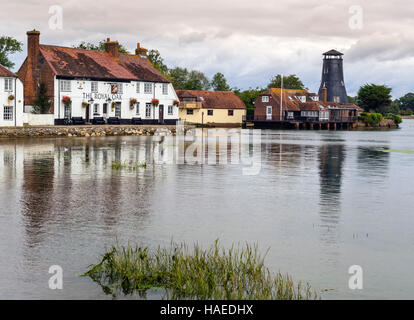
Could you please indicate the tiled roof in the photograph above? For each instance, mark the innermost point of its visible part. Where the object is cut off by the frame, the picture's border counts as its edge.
(6, 72)
(72, 62)
(214, 99)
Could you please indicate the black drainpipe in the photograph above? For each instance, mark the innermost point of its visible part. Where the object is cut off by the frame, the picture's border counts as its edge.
(15, 105)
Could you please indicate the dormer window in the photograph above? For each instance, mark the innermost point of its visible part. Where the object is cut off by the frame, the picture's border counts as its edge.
(302, 98)
(8, 84)
(265, 98)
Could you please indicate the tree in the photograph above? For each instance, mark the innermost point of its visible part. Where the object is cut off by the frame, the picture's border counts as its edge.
(99, 47)
(406, 102)
(289, 82)
(352, 100)
(197, 81)
(42, 102)
(178, 77)
(8, 46)
(248, 97)
(374, 98)
(157, 61)
(219, 83)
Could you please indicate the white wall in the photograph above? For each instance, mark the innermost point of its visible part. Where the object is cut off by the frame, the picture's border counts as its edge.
(17, 103)
(81, 91)
(38, 119)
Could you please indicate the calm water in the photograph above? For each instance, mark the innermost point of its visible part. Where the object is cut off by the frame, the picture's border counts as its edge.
(323, 201)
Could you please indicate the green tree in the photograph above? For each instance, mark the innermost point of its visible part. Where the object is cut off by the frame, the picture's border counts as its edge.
(157, 61)
(289, 82)
(42, 102)
(179, 77)
(99, 47)
(219, 83)
(352, 100)
(406, 102)
(197, 81)
(8, 46)
(374, 98)
(248, 97)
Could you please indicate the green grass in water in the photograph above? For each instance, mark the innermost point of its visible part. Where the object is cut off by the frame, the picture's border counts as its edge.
(117, 165)
(238, 273)
(397, 151)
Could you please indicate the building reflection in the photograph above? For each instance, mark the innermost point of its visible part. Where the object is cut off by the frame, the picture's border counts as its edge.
(373, 163)
(331, 158)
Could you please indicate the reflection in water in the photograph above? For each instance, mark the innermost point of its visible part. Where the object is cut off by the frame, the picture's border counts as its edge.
(373, 163)
(331, 158)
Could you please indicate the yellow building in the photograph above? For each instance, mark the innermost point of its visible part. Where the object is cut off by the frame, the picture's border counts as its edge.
(216, 108)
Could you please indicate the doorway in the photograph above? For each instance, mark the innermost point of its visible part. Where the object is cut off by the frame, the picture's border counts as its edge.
(161, 113)
(269, 113)
(87, 113)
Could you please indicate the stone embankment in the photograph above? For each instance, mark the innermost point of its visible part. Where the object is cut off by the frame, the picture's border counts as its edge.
(87, 131)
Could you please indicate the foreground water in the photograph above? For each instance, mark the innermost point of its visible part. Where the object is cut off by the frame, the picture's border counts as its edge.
(322, 201)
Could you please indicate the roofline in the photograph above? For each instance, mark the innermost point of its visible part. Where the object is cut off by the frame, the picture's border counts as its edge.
(105, 79)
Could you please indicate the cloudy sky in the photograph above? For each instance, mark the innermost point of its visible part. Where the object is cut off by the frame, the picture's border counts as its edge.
(248, 41)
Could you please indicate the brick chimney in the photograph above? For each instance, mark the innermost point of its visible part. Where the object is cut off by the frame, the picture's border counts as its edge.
(112, 47)
(140, 51)
(32, 68)
(324, 95)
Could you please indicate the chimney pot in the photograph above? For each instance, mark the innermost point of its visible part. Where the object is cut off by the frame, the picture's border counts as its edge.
(112, 47)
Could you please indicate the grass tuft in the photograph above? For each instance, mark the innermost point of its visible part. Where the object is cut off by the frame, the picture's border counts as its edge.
(238, 273)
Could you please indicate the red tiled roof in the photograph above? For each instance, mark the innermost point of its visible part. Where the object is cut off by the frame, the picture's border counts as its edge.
(73, 62)
(6, 72)
(214, 99)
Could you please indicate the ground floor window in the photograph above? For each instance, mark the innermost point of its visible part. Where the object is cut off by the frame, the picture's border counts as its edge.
(105, 108)
(137, 108)
(118, 110)
(67, 112)
(96, 108)
(230, 112)
(209, 112)
(290, 115)
(8, 113)
(190, 111)
(148, 110)
(170, 110)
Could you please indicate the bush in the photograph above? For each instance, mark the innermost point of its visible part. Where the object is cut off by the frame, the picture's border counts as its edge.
(397, 119)
(371, 118)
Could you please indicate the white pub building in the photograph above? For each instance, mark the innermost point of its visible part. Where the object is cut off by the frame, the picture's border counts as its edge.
(11, 99)
(86, 86)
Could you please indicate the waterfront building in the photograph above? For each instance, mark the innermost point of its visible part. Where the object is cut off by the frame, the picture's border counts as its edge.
(86, 86)
(11, 99)
(216, 108)
(276, 107)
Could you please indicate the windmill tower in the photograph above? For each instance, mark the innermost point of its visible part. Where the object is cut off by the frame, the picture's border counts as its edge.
(333, 77)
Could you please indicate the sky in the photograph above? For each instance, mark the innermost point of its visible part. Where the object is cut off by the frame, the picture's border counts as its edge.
(248, 41)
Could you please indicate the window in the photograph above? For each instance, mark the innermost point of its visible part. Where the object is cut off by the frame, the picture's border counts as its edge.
(94, 86)
(230, 112)
(309, 113)
(8, 113)
(8, 84)
(137, 108)
(337, 99)
(118, 110)
(148, 110)
(68, 112)
(302, 98)
(105, 108)
(190, 111)
(96, 108)
(290, 115)
(138, 86)
(165, 88)
(120, 88)
(147, 87)
(209, 112)
(189, 99)
(65, 85)
(170, 110)
(265, 98)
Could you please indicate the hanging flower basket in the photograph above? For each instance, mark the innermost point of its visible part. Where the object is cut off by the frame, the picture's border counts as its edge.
(11, 97)
(155, 102)
(176, 103)
(66, 101)
(113, 105)
(84, 104)
(132, 103)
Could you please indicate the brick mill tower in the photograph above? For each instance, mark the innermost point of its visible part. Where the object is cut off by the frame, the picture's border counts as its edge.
(333, 77)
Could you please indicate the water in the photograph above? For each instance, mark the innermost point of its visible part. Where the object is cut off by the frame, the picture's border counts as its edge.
(323, 201)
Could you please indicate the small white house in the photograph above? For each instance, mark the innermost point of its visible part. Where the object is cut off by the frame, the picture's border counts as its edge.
(11, 99)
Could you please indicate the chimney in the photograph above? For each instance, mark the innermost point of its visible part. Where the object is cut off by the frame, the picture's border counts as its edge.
(112, 47)
(324, 95)
(140, 51)
(32, 71)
